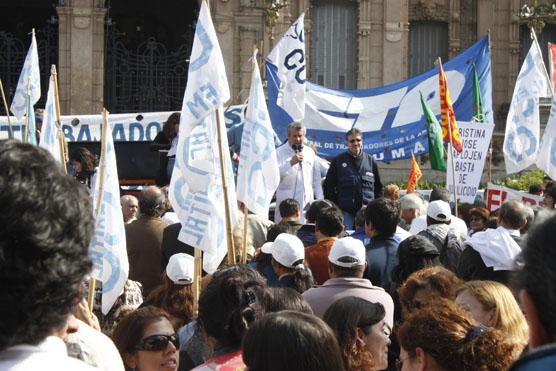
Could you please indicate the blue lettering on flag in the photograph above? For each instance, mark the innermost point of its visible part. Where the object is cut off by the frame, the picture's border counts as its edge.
(204, 38)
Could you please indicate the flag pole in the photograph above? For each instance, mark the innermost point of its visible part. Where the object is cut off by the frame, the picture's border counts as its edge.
(10, 129)
(450, 148)
(28, 103)
(101, 176)
(197, 267)
(61, 137)
(244, 242)
(228, 212)
(540, 53)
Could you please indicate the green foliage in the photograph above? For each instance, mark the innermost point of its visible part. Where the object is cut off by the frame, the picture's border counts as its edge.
(522, 180)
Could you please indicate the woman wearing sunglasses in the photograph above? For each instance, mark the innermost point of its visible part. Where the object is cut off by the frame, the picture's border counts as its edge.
(146, 341)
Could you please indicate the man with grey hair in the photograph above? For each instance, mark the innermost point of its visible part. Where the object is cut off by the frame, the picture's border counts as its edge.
(299, 170)
(412, 205)
(490, 255)
(144, 239)
(130, 206)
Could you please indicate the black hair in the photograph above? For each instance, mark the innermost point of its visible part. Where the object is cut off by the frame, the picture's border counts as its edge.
(330, 222)
(344, 317)
(47, 226)
(535, 189)
(289, 207)
(292, 341)
(513, 214)
(384, 215)
(360, 217)
(87, 160)
(286, 298)
(440, 194)
(235, 297)
(302, 278)
(152, 202)
(538, 275)
(353, 131)
(414, 253)
(315, 208)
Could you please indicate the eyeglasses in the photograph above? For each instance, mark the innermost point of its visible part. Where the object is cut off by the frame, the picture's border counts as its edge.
(157, 343)
(355, 140)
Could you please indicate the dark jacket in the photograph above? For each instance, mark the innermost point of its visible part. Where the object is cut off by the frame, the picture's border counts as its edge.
(352, 183)
(543, 358)
(171, 245)
(381, 259)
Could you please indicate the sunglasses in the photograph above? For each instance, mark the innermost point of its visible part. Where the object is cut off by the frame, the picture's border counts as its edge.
(355, 140)
(157, 343)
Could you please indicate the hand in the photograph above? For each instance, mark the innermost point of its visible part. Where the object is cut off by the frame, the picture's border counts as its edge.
(298, 157)
(83, 313)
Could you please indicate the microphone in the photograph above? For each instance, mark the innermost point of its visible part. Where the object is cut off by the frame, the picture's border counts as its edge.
(297, 148)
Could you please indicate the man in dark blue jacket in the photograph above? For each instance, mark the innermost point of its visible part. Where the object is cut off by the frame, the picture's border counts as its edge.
(352, 180)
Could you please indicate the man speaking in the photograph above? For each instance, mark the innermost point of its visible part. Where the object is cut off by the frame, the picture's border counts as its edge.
(352, 180)
(299, 171)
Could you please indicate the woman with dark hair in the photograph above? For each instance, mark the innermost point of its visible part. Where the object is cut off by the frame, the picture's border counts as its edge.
(146, 340)
(478, 220)
(175, 295)
(162, 143)
(442, 337)
(288, 262)
(85, 165)
(549, 197)
(414, 253)
(236, 297)
(363, 335)
(291, 341)
(286, 298)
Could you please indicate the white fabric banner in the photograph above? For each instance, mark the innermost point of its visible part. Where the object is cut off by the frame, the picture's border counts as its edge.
(196, 191)
(469, 164)
(50, 132)
(546, 160)
(29, 82)
(288, 56)
(521, 142)
(496, 195)
(258, 175)
(108, 249)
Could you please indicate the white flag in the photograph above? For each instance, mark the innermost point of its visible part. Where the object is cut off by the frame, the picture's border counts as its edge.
(29, 81)
(258, 175)
(288, 57)
(50, 132)
(196, 191)
(546, 160)
(108, 249)
(521, 142)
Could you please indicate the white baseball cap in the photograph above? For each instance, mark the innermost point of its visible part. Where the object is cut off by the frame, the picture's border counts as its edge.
(347, 247)
(180, 269)
(439, 210)
(286, 249)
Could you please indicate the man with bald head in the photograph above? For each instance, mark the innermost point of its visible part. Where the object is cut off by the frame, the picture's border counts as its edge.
(144, 239)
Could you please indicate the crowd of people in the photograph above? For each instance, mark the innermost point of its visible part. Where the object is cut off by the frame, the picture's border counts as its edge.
(360, 280)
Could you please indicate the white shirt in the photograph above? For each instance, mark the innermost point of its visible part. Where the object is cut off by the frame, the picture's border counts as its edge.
(457, 225)
(301, 181)
(50, 355)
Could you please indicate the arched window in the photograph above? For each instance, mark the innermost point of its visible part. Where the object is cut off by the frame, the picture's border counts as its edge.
(334, 43)
(428, 40)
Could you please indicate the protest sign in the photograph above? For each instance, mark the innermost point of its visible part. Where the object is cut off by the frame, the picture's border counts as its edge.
(497, 195)
(470, 162)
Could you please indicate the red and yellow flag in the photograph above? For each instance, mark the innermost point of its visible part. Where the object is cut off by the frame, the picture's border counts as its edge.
(447, 111)
(414, 175)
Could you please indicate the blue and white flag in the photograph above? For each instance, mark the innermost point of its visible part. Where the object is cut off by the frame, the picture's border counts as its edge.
(390, 117)
(521, 142)
(287, 60)
(29, 83)
(196, 191)
(546, 159)
(50, 133)
(258, 175)
(108, 249)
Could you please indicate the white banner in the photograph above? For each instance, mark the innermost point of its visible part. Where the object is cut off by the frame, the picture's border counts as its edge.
(126, 127)
(496, 195)
(546, 159)
(29, 83)
(469, 164)
(50, 139)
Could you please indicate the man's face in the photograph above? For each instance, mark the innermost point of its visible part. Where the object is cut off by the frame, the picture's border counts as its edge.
(354, 143)
(296, 136)
(130, 209)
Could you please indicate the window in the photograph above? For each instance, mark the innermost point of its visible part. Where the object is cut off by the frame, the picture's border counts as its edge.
(427, 41)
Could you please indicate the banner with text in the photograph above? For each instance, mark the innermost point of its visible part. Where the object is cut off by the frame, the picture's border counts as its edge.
(496, 195)
(390, 117)
(469, 164)
(126, 127)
